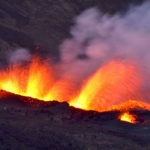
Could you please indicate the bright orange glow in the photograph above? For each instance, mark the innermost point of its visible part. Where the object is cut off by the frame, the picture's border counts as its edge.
(128, 117)
(35, 80)
(114, 86)
(129, 105)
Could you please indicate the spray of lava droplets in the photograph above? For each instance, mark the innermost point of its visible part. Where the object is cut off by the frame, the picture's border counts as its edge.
(112, 87)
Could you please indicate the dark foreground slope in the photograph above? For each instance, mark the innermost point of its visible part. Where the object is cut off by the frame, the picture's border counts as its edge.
(56, 126)
(26, 23)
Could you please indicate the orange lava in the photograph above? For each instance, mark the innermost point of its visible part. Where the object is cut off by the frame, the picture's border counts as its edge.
(114, 83)
(35, 80)
(127, 117)
(130, 105)
(114, 86)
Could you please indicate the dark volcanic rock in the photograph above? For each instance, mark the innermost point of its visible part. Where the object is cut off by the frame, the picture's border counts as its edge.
(30, 124)
(15, 37)
(53, 125)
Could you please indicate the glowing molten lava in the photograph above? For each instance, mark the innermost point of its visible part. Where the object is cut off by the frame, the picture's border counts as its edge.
(112, 87)
(128, 117)
(34, 80)
(112, 84)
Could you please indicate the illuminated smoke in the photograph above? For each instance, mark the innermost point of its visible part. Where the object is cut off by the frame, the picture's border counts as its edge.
(19, 55)
(99, 37)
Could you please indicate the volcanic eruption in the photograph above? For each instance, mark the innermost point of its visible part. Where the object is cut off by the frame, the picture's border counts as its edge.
(114, 86)
(114, 80)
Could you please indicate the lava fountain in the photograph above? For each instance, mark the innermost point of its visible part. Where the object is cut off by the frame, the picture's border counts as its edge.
(114, 86)
(34, 79)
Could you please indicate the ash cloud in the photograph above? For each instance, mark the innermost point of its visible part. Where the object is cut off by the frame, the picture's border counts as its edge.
(19, 55)
(101, 37)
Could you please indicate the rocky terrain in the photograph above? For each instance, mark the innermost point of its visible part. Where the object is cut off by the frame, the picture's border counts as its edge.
(29, 124)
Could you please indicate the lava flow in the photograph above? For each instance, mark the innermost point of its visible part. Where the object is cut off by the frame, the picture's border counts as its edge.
(115, 86)
(127, 117)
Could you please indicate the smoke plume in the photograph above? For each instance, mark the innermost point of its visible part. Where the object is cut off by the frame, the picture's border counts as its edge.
(98, 37)
(19, 55)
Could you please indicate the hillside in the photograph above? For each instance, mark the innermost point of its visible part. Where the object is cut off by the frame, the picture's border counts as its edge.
(46, 23)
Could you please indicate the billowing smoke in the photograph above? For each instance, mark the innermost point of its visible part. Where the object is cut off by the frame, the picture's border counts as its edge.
(19, 55)
(98, 37)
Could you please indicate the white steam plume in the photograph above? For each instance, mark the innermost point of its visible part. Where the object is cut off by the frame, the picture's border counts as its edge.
(102, 37)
